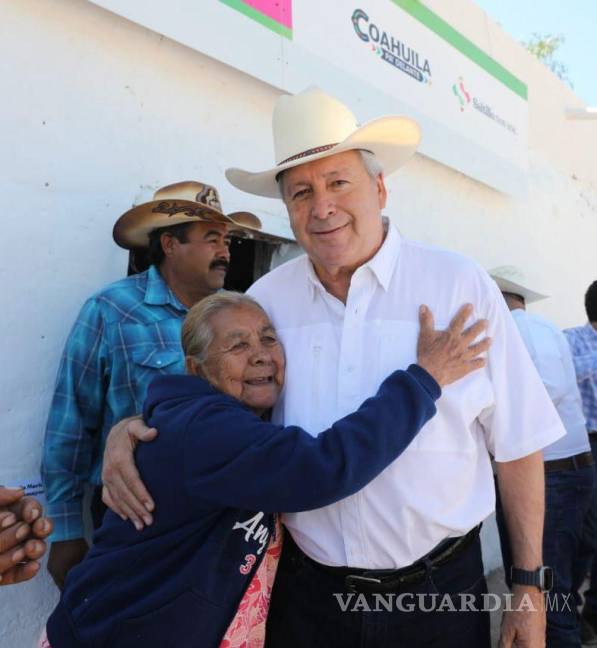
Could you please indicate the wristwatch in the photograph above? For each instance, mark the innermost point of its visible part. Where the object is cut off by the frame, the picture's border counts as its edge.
(541, 577)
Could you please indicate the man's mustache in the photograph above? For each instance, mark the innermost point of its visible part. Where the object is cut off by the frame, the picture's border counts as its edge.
(219, 263)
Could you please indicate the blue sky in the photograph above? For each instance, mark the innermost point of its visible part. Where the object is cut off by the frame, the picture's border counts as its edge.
(576, 20)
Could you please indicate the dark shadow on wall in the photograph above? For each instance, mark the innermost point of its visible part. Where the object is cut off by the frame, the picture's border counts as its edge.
(249, 260)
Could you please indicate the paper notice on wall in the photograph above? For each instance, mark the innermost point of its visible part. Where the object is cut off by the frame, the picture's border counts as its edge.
(32, 486)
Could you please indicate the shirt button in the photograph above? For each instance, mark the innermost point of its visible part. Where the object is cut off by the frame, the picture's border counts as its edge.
(159, 362)
(350, 369)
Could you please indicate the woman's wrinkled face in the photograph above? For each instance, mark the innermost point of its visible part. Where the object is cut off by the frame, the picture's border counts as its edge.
(245, 359)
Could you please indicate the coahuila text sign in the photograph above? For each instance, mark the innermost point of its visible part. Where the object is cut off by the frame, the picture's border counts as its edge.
(473, 112)
(380, 56)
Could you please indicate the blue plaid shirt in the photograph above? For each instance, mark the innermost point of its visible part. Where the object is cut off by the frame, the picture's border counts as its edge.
(583, 342)
(124, 337)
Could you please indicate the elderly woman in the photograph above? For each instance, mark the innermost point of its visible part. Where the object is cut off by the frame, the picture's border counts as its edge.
(201, 575)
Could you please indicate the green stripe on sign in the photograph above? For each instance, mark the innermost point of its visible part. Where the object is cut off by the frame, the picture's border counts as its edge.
(266, 21)
(440, 27)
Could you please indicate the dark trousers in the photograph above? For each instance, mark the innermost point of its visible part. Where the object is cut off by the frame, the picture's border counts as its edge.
(588, 546)
(567, 498)
(307, 608)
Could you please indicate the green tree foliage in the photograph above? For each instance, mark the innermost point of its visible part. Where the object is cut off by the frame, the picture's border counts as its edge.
(544, 46)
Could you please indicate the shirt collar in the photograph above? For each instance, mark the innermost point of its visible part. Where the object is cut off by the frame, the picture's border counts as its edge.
(313, 280)
(381, 265)
(158, 293)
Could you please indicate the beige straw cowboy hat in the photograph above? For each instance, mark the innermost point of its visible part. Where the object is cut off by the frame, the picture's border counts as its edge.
(511, 279)
(182, 202)
(311, 125)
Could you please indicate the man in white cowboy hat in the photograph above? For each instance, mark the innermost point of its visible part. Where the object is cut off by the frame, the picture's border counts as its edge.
(125, 335)
(348, 314)
(568, 462)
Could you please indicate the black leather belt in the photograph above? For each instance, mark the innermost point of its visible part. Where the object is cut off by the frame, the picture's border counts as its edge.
(388, 580)
(576, 462)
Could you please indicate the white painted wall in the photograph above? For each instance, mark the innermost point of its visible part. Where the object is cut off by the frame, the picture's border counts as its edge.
(97, 112)
(552, 231)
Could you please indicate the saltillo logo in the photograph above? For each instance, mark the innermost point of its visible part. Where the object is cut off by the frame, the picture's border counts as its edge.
(465, 99)
(390, 49)
(461, 93)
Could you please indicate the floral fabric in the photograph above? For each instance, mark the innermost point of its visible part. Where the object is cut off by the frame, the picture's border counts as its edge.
(247, 629)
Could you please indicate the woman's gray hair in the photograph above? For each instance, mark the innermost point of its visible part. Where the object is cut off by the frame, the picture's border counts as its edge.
(372, 165)
(197, 332)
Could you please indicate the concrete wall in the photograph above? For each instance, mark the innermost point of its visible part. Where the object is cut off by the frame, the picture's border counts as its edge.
(98, 112)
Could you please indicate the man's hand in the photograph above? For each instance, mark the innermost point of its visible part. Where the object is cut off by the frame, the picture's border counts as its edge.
(64, 556)
(524, 625)
(22, 532)
(123, 490)
(451, 354)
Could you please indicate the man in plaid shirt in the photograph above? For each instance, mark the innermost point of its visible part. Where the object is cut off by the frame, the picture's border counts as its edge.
(125, 335)
(583, 343)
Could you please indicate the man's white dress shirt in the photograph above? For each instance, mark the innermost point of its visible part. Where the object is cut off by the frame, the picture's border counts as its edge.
(337, 355)
(551, 355)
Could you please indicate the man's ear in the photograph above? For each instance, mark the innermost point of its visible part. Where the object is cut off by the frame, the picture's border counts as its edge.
(382, 192)
(192, 366)
(168, 242)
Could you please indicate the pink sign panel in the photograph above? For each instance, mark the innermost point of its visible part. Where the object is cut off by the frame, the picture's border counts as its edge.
(278, 10)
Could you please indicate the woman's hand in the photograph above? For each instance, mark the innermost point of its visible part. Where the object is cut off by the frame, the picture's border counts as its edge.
(451, 354)
(123, 491)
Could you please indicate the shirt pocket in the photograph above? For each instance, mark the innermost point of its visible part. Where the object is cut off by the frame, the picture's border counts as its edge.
(159, 359)
(456, 427)
(453, 428)
(145, 351)
(396, 346)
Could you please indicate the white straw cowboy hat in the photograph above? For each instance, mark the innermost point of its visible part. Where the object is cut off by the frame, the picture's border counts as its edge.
(183, 202)
(511, 279)
(311, 125)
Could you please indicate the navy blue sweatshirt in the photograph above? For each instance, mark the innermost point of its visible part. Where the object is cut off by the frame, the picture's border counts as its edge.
(218, 473)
